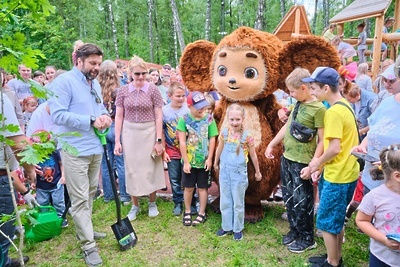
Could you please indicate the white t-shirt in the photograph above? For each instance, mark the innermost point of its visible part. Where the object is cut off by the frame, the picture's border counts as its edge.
(10, 118)
(384, 205)
(41, 120)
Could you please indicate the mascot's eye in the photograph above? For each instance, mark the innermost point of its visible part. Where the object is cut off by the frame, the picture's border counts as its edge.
(222, 70)
(251, 73)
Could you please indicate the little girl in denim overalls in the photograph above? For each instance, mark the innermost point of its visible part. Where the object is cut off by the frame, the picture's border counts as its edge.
(233, 148)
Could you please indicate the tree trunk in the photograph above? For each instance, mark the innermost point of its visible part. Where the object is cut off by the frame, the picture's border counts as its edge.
(106, 30)
(175, 45)
(113, 28)
(151, 7)
(283, 8)
(240, 13)
(259, 23)
(222, 31)
(126, 31)
(208, 20)
(156, 29)
(230, 16)
(177, 24)
(326, 12)
(314, 26)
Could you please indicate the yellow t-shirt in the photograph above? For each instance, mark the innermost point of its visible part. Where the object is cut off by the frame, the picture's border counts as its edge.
(328, 35)
(340, 124)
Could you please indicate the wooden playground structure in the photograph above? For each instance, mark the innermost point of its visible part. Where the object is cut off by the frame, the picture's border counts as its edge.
(295, 23)
(363, 9)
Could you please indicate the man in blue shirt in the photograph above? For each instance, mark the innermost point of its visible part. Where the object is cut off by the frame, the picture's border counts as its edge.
(77, 107)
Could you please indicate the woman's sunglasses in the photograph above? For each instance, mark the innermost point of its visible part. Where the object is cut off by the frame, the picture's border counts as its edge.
(139, 73)
(389, 81)
(96, 96)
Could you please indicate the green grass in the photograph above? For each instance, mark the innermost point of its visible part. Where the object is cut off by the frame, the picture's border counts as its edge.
(164, 241)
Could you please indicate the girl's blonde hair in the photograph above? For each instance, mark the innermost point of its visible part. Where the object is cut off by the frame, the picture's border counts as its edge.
(390, 162)
(77, 44)
(108, 79)
(237, 107)
(136, 62)
(362, 68)
(210, 99)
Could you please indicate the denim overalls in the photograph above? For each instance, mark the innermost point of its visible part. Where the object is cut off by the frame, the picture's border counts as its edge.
(233, 183)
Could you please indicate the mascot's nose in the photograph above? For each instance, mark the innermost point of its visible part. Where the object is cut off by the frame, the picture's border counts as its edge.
(232, 80)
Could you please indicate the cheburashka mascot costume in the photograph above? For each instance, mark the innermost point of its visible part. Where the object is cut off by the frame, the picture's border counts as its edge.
(246, 67)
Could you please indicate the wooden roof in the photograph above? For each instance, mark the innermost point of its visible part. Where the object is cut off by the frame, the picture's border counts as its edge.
(361, 9)
(295, 21)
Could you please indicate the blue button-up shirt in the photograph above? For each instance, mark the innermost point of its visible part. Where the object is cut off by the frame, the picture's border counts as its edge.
(71, 109)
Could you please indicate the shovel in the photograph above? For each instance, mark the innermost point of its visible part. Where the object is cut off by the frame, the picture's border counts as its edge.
(122, 229)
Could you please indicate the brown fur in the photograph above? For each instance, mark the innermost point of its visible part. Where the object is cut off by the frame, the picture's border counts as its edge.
(243, 49)
(194, 65)
(307, 52)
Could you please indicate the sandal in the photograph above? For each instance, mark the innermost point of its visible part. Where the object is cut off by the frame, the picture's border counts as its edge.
(199, 219)
(187, 219)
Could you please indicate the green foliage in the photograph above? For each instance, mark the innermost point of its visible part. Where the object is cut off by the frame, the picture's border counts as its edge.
(14, 48)
(43, 144)
(39, 91)
(37, 152)
(25, 214)
(15, 51)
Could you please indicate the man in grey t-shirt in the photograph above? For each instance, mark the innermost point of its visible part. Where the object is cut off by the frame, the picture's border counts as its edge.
(22, 87)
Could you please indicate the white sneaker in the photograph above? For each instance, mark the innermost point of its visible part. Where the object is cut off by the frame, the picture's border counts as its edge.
(153, 211)
(133, 213)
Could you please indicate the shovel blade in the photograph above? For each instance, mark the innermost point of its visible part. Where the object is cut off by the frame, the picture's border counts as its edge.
(124, 233)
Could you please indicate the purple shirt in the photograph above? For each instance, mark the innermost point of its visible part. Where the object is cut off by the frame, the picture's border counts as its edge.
(139, 105)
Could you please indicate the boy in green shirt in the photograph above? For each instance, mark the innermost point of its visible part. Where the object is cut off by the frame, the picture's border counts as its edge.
(197, 132)
(297, 187)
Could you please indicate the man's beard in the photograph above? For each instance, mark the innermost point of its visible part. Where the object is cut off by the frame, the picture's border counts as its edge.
(90, 75)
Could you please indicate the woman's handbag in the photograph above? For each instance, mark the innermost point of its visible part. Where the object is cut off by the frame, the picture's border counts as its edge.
(300, 132)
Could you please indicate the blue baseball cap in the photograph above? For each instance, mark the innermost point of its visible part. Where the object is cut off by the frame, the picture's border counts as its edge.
(324, 75)
(197, 100)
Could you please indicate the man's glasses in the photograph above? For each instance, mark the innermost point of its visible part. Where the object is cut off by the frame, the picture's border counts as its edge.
(96, 96)
(166, 68)
(389, 81)
(139, 73)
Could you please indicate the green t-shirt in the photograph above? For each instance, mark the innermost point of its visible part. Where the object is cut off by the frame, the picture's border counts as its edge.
(310, 115)
(199, 133)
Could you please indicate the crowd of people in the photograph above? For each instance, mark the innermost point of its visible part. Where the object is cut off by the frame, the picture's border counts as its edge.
(347, 51)
(156, 124)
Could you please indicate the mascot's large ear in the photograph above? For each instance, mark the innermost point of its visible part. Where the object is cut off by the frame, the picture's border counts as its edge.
(195, 65)
(307, 52)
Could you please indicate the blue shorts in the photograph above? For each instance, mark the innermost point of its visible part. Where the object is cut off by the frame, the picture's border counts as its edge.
(333, 201)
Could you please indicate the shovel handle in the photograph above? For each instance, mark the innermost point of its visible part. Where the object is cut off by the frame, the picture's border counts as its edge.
(101, 135)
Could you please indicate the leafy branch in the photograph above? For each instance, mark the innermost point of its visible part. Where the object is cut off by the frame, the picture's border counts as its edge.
(42, 144)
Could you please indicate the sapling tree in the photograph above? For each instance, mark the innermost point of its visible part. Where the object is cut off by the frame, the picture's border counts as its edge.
(14, 50)
(34, 151)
